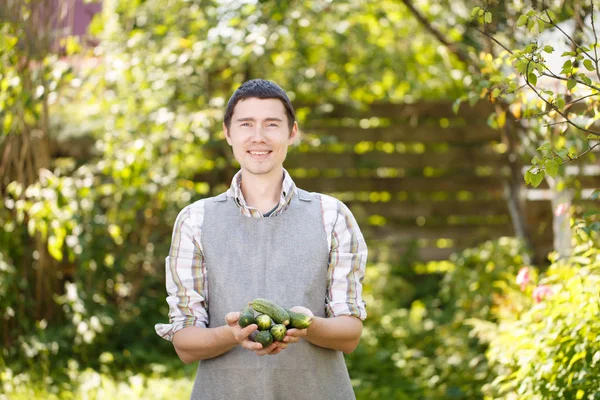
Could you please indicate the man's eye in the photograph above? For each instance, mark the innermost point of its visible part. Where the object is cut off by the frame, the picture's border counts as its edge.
(245, 124)
(273, 124)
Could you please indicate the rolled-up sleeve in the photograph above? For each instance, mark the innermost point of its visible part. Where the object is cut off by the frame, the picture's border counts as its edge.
(347, 263)
(185, 273)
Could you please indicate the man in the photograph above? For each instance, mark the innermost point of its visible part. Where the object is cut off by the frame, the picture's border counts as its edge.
(267, 238)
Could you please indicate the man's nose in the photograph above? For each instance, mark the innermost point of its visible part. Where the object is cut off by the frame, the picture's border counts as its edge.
(258, 134)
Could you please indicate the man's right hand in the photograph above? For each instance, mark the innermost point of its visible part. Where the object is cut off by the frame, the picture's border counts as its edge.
(242, 336)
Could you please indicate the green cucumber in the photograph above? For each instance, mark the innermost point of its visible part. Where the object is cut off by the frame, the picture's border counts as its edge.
(273, 310)
(265, 338)
(264, 322)
(299, 320)
(246, 317)
(278, 332)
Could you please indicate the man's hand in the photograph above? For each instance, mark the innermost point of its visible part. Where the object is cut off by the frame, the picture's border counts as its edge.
(242, 336)
(293, 335)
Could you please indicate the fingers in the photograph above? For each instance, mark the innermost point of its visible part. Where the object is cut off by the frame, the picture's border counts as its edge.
(268, 350)
(294, 335)
(250, 345)
(232, 318)
(242, 334)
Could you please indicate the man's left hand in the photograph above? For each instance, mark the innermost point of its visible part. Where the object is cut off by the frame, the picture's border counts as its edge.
(293, 335)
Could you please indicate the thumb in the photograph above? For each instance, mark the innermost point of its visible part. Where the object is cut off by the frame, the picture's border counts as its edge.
(232, 317)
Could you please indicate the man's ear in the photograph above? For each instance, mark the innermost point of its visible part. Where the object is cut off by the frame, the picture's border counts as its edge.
(227, 136)
(293, 134)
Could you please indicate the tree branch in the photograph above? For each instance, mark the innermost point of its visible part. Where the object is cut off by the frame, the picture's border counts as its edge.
(438, 35)
(494, 39)
(564, 33)
(553, 75)
(595, 42)
(578, 155)
(558, 111)
(567, 106)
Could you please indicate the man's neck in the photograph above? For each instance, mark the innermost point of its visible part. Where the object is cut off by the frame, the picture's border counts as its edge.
(262, 191)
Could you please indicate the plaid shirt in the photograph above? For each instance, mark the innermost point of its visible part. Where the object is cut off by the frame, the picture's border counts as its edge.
(186, 279)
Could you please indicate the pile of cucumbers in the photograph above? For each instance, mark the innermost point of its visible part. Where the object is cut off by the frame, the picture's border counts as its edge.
(273, 321)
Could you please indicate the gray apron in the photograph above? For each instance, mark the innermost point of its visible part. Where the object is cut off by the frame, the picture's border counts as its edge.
(283, 258)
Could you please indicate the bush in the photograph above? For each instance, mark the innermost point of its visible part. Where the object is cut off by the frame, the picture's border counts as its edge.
(552, 350)
(422, 347)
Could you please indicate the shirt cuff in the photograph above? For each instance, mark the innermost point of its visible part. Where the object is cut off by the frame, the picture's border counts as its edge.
(167, 331)
(352, 309)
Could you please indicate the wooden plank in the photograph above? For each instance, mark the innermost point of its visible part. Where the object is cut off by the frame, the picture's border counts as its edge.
(457, 158)
(429, 209)
(461, 234)
(422, 110)
(450, 183)
(405, 133)
(535, 210)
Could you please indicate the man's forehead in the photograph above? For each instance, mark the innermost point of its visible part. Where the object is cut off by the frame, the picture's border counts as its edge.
(255, 107)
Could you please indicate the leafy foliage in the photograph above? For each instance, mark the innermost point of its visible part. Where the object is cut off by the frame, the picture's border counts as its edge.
(552, 350)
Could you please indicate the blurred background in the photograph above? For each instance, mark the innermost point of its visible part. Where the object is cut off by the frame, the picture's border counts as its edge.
(462, 134)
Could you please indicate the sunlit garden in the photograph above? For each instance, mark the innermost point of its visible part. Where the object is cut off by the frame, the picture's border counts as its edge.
(464, 135)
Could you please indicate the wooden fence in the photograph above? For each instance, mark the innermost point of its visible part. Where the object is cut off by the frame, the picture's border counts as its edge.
(418, 176)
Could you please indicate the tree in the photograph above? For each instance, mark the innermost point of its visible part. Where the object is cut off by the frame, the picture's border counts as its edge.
(542, 113)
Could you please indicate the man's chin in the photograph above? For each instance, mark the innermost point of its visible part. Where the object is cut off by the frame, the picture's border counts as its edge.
(259, 171)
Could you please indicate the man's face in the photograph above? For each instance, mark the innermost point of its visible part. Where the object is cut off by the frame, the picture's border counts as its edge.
(259, 135)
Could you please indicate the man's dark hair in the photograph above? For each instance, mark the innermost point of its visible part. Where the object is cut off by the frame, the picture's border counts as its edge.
(261, 89)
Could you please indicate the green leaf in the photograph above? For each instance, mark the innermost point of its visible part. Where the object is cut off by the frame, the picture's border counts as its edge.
(541, 25)
(474, 11)
(522, 20)
(521, 66)
(579, 395)
(571, 84)
(562, 153)
(552, 168)
(488, 17)
(532, 78)
(560, 102)
(456, 105)
(548, 48)
(588, 65)
(568, 53)
(551, 14)
(534, 179)
(546, 146)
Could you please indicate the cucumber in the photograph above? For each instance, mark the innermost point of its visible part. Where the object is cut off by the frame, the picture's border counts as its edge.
(273, 310)
(278, 332)
(299, 320)
(264, 322)
(246, 317)
(265, 338)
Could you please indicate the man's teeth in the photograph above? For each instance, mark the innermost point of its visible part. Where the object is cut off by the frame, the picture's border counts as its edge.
(259, 152)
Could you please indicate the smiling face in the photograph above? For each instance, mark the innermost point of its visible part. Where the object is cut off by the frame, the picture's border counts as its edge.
(259, 135)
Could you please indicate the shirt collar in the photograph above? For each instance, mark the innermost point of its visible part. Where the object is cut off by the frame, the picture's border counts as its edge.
(288, 188)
